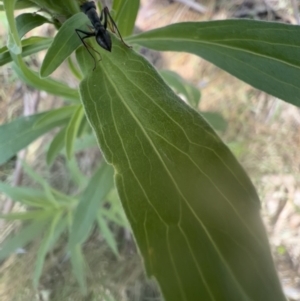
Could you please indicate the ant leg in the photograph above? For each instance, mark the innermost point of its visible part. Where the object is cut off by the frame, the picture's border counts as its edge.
(106, 14)
(87, 46)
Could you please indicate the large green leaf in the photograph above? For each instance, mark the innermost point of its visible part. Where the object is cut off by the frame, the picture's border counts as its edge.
(193, 210)
(266, 55)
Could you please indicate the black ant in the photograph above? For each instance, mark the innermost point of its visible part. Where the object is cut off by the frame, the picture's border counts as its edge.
(100, 30)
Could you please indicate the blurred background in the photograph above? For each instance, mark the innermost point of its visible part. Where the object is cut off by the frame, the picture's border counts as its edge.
(261, 130)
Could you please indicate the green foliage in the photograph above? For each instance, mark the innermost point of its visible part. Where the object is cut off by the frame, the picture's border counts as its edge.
(53, 213)
(19, 133)
(263, 54)
(29, 46)
(14, 41)
(86, 212)
(63, 45)
(27, 22)
(126, 13)
(180, 204)
(191, 93)
(193, 211)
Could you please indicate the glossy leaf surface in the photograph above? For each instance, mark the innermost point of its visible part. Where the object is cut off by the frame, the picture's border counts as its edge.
(264, 54)
(192, 208)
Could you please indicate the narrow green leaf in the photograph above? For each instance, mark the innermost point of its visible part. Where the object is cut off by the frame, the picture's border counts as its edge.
(84, 128)
(65, 8)
(44, 249)
(263, 54)
(115, 212)
(72, 130)
(85, 142)
(76, 72)
(29, 21)
(28, 215)
(76, 175)
(111, 216)
(55, 115)
(14, 42)
(86, 212)
(19, 133)
(49, 85)
(56, 145)
(215, 120)
(116, 5)
(107, 234)
(78, 265)
(191, 206)
(126, 13)
(64, 43)
(40, 180)
(22, 4)
(26, 196)
(29, 46)
(26, 235)
(64, 198)
(181, 86)
(58, 231)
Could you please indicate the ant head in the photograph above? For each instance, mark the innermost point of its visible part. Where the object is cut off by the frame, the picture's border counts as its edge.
(103, 39)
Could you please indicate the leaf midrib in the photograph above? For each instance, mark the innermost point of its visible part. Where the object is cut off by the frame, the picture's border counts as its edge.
(209, 43)
(172, 179)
